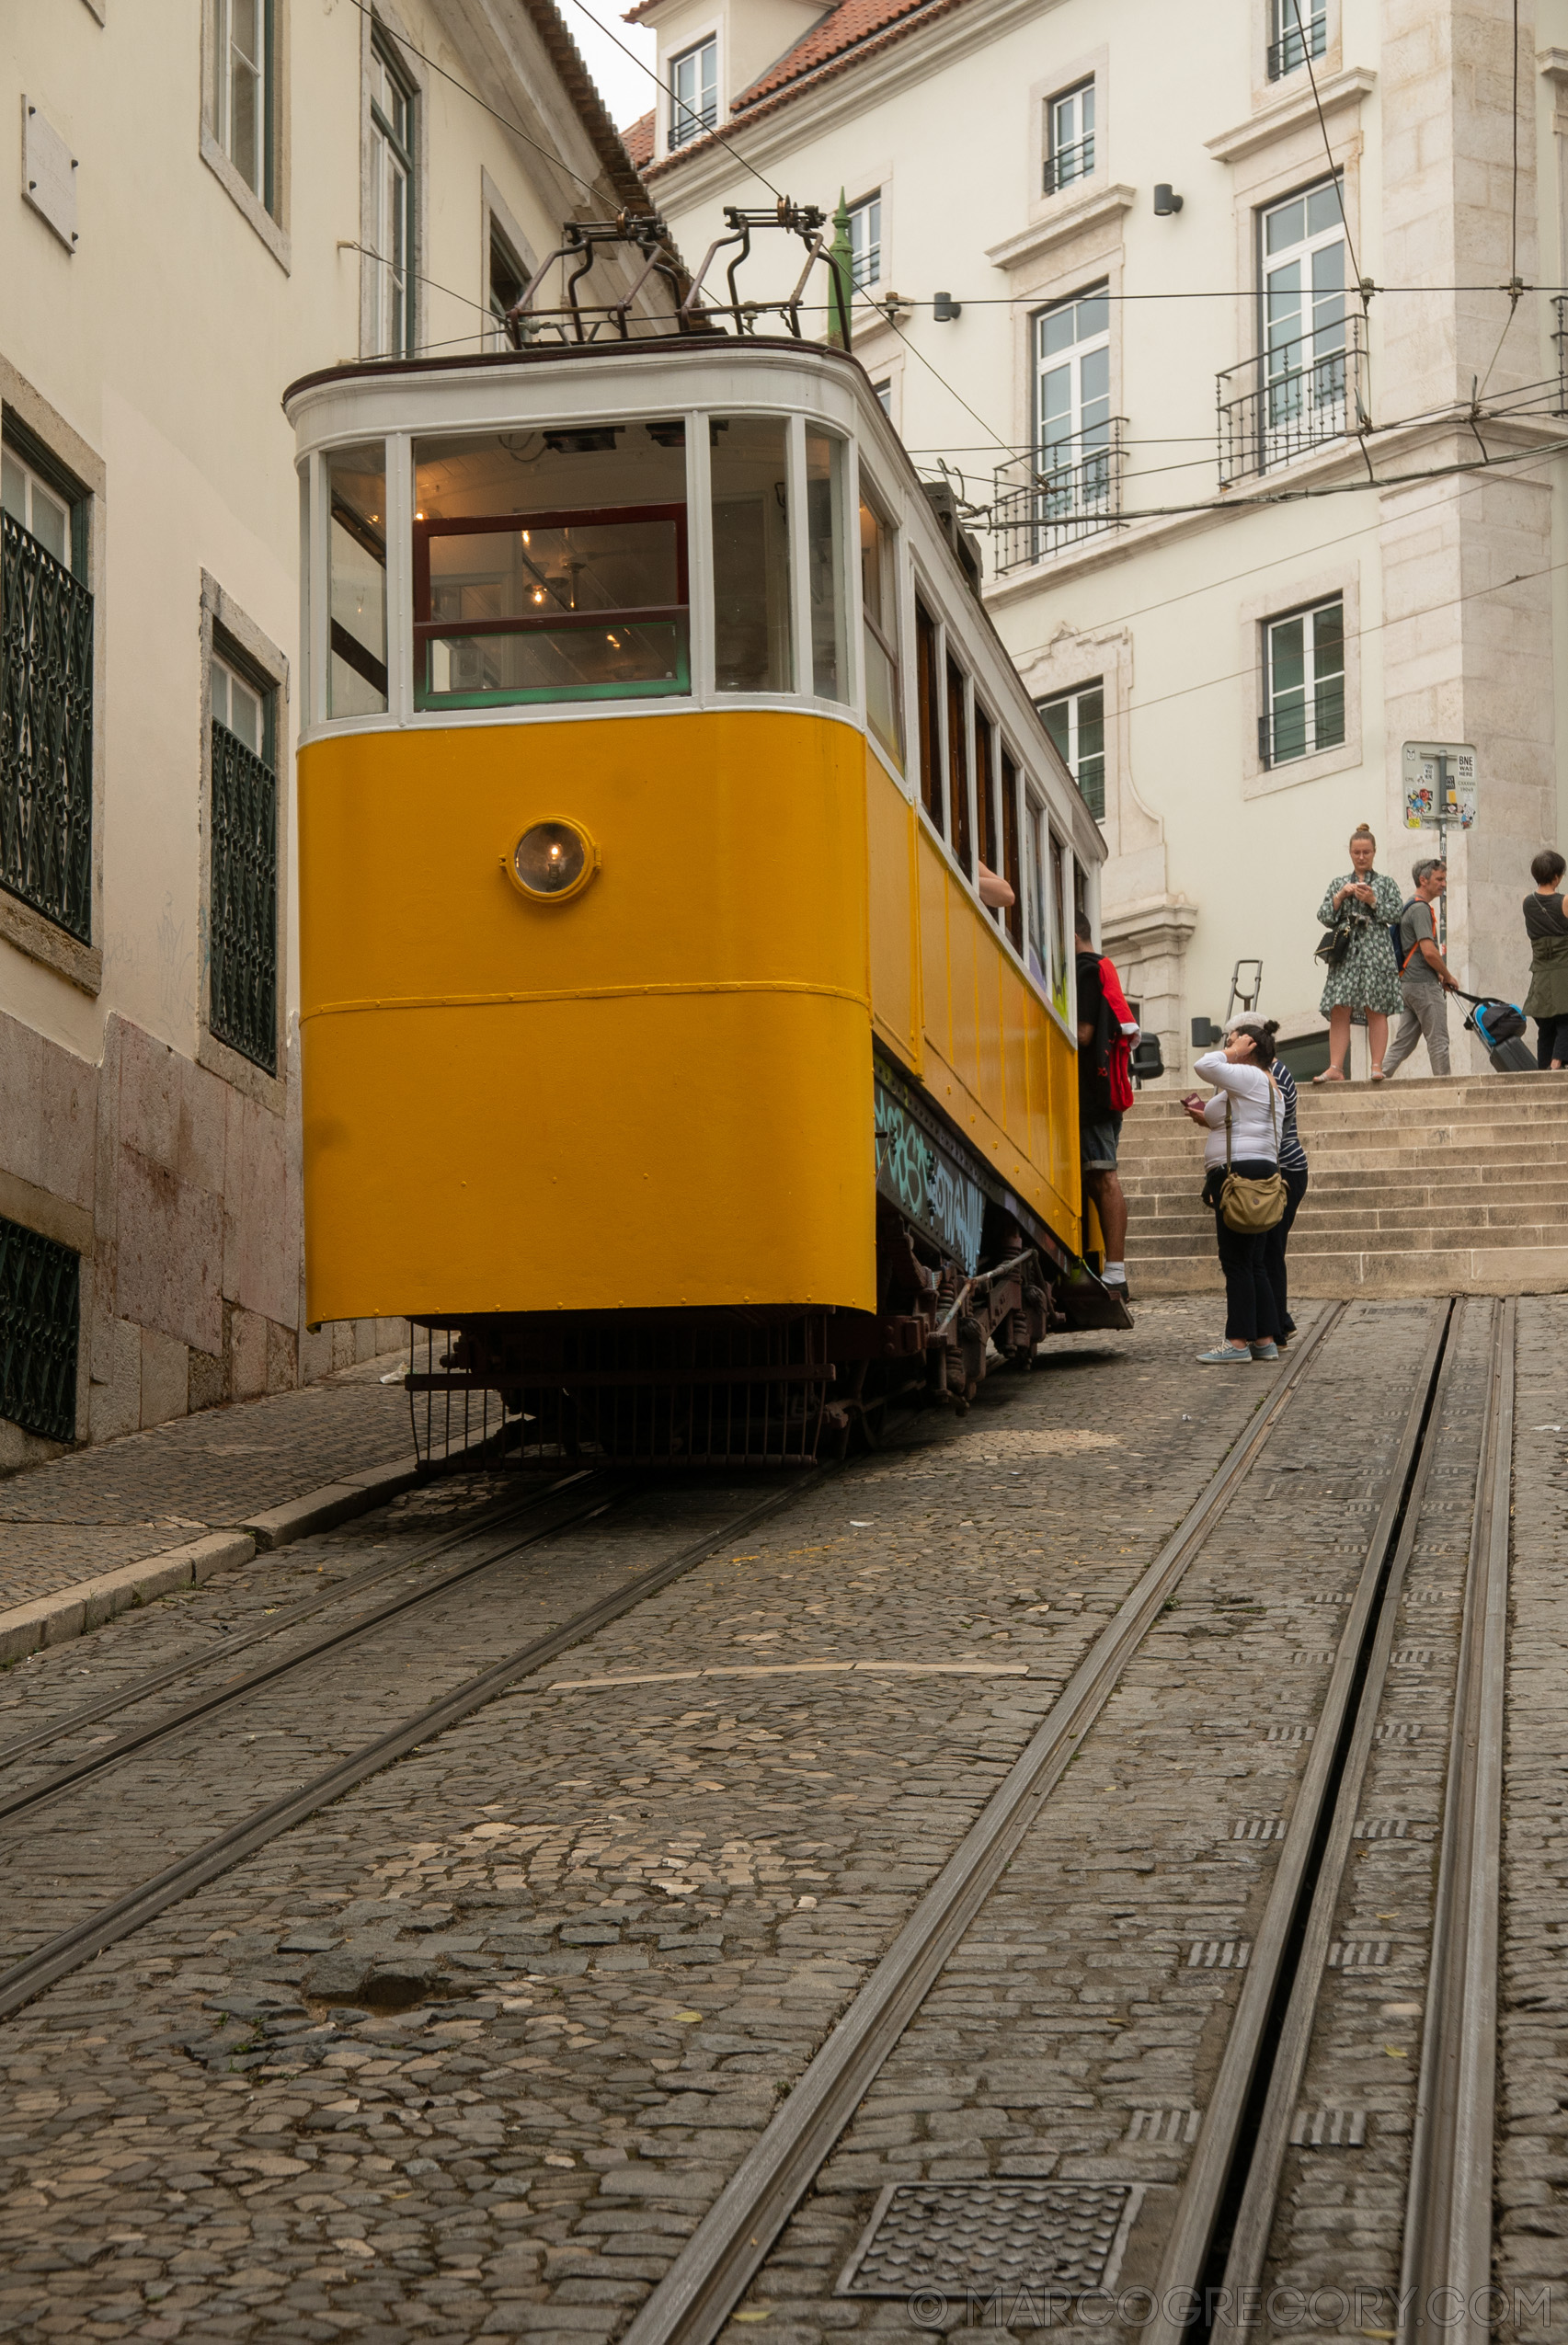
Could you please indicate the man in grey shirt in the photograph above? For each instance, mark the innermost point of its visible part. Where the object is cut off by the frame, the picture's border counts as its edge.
(1426, 979)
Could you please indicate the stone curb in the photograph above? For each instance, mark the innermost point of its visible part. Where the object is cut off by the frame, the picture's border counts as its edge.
(334, 1503)
(87, 1604)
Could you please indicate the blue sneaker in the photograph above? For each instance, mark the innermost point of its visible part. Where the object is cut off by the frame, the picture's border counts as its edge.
(1267, 1350)
(1227, 1356)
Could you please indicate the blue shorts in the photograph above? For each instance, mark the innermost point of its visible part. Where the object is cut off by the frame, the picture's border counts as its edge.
(1098, 1144)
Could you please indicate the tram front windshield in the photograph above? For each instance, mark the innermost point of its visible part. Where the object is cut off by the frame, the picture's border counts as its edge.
(550, 565)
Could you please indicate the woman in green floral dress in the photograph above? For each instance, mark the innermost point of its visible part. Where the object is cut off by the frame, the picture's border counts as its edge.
(1368, 978)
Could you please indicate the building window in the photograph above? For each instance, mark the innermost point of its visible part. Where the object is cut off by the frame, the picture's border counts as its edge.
(240, 94)
(883, 393)
(1076, 722)
(1304, 683)
(45, 694)
(1069, 137)
(865, 241)
(693, 92)
(391, 223)
(509, 282)
(40, 1316)
(243, 1000)
(1303, 303)
(1072, 374)
(1298, 29)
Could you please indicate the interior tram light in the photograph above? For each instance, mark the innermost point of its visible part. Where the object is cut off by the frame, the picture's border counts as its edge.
(554, 860)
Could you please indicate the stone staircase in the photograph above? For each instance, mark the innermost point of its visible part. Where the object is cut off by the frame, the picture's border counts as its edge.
(1447, 1184)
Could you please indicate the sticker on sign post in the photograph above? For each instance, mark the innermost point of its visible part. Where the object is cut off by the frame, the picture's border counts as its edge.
(1439, 785)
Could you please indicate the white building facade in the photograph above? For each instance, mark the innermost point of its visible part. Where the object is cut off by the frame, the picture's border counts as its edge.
(214, 198)
(1212, 312)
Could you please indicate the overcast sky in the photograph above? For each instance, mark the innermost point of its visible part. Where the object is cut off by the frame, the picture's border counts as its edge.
(626, 88)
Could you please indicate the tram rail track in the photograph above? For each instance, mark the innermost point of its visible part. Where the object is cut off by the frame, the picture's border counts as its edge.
(1217, 2245)
(67, 1950)
(234, 1689)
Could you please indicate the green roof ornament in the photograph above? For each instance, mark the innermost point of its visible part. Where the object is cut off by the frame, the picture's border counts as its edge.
(840, 277)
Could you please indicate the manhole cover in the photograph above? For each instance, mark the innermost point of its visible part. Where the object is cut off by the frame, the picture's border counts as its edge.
(953, 2236)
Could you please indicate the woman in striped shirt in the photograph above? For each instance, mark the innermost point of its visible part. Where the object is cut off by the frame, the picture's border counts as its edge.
(1293, 1170)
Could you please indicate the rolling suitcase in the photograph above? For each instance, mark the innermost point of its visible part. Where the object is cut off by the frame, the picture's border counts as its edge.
(1501, 1027)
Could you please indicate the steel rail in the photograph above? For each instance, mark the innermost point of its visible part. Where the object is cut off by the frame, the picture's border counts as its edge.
(1198, 2208)
(341, 1591)
(158, 1729)
(70, 1949)
(697, 2295)
(1334, 1832)
(1447, 2228)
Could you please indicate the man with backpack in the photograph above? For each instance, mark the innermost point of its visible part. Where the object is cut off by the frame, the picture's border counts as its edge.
(1425, 979)
(1106, 1031)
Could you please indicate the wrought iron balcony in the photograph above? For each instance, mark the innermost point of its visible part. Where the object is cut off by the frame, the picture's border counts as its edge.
(1071, 492)
(1296, 45)
(244, 1005)
(46, 733)
(1288, 400)
(1560, 342)
(1070, 163)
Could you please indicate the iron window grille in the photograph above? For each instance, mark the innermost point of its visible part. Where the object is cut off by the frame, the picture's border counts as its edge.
(1291, 399)
(243, 1003)
(1303, 698)
(46, 733)
(1300, 30)
(1072, 492)
(40, 1316)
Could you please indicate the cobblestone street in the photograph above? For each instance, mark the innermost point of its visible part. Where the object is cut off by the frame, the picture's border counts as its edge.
(473, 2048)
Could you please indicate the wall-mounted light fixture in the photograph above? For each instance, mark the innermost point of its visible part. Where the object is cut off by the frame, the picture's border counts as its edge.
(945, 307)
(1166, 201)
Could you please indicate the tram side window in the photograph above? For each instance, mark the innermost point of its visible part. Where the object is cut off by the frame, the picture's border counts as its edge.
(879, 602)
(750, 465)
(550, 564)
(825, 559)
(356, 678)
(929, 708)
(1060, 916)
(958, 771)
(1039, 951)
(985, 794)
(1011, 870)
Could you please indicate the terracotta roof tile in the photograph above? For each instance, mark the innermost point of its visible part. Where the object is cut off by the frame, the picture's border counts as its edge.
(843, 28)
(637, 138)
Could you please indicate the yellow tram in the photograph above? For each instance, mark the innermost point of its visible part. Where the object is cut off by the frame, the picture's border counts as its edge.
(658, 1052)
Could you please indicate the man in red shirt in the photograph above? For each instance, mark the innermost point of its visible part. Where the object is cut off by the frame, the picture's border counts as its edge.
(1106, 1031)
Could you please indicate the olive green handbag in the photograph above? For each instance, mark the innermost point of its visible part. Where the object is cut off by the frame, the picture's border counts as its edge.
(1251, 1206)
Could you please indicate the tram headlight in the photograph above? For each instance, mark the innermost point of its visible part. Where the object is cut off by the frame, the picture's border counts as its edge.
(552, 860)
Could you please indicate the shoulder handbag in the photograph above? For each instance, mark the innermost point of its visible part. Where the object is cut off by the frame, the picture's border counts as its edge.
(1334, 945)
(1251, 1206)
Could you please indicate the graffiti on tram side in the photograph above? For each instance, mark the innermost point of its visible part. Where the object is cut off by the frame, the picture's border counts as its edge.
(917, 1176)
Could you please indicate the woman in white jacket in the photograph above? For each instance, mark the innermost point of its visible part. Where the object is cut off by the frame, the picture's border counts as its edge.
(1248, 1089)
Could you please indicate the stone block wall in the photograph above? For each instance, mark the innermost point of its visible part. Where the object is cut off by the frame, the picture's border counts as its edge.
(183, 1199)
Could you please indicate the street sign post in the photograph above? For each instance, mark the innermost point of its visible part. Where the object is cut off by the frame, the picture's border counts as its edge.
(1440, 778)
